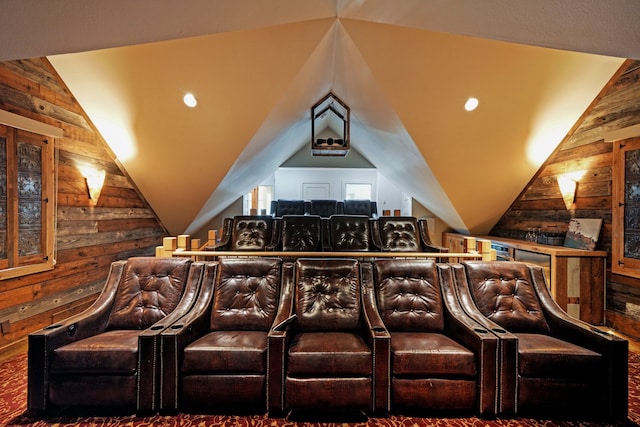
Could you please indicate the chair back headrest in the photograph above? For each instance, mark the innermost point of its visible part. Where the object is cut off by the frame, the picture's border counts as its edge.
(289, 207)
(301, 233)
(409, 295)
(349, 233)
(246, 294)
(149, 290)
(399, 234)
(357, 207)
(325, 208)
(327, 294)
(251, 232)
(503, 292)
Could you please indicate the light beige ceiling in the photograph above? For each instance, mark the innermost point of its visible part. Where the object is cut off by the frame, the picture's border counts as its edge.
(257, 66)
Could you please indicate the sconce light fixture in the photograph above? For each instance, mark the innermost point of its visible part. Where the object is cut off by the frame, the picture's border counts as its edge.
(568, 189)
(95, 181)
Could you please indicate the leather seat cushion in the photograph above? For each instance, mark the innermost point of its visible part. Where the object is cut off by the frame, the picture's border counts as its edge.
(326, 354)
(546, 356)
(227, 351)
(111, 352)
(429, 354)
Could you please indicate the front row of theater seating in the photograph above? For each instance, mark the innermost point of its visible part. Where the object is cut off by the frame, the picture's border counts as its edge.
(311, 233)
(328, 334)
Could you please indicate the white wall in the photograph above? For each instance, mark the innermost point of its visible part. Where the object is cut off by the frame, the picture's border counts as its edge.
(288, 184)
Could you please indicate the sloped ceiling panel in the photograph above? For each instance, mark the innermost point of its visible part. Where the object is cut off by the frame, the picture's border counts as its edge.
(258, 66)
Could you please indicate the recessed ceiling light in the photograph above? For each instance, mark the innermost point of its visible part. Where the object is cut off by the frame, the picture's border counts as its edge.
(471, 104)
(190, 100)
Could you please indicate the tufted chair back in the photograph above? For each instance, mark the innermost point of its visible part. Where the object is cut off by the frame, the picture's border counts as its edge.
(349, 233)
(503, 292)
(289, 207)
(301, 233)
(327, 294)
(399, 234)
(251, 233)
(358, 207)
(246, 294)
(408, 294)
(149, 290)
(325, 208)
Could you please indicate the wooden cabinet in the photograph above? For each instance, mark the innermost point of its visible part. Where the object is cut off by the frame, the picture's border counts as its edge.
(576, 278)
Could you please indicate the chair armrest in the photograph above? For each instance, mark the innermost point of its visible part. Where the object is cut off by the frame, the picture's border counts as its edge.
(380, 341)
(276, 235)
(425, 239)
(374, 226)
(474, 336)
(186, 329)
(225, 239)
(278, 341)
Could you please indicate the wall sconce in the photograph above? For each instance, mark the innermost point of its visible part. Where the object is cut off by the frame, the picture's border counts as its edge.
(568, 189)
(95, 181)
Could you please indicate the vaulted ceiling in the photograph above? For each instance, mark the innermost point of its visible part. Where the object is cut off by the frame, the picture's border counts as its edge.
(405, 68)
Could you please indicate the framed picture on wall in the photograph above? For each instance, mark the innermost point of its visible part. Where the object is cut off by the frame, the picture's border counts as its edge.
(583, 233)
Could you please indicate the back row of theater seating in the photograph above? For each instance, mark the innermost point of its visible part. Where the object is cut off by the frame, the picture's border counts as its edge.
(312, 233)
(324, 208)
(256, 334)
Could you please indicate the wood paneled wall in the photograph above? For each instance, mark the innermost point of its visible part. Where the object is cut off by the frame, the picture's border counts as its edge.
(540, 205)
(89, 238)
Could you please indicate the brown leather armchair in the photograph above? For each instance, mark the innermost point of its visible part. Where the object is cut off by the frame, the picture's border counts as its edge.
(284, 207)
(301, 233)
(245, 233)
(397, 234)
(106, 356)
(326, 353)
(441, 360)
(325, 208)
(552, 364)
(360, 207)
(216, 356)
(345, 233)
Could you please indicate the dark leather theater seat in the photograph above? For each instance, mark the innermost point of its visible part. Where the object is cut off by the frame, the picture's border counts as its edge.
(440, 359)
(552, 364)
(106, 356)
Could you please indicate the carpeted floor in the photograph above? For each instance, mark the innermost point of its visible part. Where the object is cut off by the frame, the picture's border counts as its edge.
(13, 395)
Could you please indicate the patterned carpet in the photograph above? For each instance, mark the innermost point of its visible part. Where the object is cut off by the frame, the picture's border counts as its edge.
(13, 394)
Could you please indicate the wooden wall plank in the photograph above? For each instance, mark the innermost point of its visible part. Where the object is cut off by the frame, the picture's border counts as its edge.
(89, 238)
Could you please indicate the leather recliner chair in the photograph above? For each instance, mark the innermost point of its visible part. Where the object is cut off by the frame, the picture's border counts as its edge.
(106, 356)
(441, 360)
(300, 233)
(325, 208)
(289, 207)
(397, 234)
(360, 207)
(216, 355)
(552, 364)
(345, 233)
(329, 351)
(245, 233)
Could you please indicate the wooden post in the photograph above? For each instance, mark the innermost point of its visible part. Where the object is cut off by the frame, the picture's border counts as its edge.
(169, 244)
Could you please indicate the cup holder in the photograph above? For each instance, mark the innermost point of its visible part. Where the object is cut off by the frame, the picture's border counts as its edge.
(378, 329)
(499, 331)
(177, 326)
(53, 326)
(480, 330)
(156, 328)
